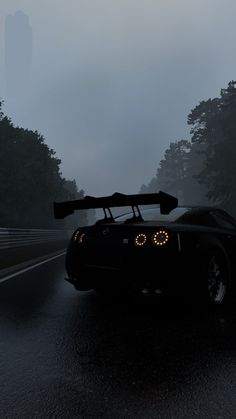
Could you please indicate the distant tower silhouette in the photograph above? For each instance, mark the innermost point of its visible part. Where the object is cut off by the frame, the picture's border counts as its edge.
(18, 54)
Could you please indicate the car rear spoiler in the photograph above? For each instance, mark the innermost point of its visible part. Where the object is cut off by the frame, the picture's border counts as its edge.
(167, 203)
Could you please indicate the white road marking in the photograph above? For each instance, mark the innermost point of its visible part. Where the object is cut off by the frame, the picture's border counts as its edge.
(30, 267)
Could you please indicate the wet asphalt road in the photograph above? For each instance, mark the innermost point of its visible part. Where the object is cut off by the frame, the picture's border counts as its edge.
(65, 354)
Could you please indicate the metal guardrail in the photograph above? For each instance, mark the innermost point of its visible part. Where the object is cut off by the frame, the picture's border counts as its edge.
(17, 237)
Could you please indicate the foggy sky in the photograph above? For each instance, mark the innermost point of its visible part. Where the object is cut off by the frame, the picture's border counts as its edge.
(113, 81)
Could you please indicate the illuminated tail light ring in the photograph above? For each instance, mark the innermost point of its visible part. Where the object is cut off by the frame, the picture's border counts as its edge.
(81, 239)
(78, 237)
(140, 239)
(160, 238)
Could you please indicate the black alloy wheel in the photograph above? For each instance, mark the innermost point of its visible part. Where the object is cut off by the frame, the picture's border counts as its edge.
(218, 277)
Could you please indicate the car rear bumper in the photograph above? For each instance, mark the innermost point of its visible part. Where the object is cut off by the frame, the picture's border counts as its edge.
(131, 269)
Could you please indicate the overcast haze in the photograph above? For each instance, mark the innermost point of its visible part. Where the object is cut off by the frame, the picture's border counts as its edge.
(112, 81)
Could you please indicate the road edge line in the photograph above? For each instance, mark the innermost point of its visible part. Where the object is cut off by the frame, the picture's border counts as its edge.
(31, 267)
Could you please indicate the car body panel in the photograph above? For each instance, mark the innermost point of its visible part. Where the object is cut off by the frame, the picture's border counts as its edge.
(152, 249)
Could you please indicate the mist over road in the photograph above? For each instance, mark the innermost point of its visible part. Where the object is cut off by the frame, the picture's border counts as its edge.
(77, 355)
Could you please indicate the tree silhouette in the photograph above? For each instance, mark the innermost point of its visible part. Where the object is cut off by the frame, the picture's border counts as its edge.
(203, 170)
(30, 178)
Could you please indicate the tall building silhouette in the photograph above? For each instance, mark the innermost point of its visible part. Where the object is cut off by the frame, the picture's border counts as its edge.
(18, 53)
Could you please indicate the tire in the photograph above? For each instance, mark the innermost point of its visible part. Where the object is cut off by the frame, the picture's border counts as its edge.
(216, 277)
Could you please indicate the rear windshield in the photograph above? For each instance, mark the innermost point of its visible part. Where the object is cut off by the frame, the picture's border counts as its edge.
(153, 214)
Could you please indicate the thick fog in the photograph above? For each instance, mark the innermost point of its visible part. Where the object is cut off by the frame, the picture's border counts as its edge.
(112, 81)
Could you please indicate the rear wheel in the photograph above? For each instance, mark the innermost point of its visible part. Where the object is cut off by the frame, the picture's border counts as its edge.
(216, 276)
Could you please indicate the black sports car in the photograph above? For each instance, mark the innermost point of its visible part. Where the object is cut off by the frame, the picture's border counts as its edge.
(166, 249)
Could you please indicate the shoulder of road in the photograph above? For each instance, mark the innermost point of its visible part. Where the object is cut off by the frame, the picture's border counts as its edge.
(14, 270)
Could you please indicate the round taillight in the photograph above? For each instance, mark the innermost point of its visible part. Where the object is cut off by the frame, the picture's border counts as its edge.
(160, 238)
(140, 239)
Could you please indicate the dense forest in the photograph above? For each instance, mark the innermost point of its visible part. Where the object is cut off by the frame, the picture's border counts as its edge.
(202, 169)
(30, 180)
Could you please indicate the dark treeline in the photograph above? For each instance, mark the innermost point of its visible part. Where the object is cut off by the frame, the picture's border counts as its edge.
(30, 180)
(202, 170)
